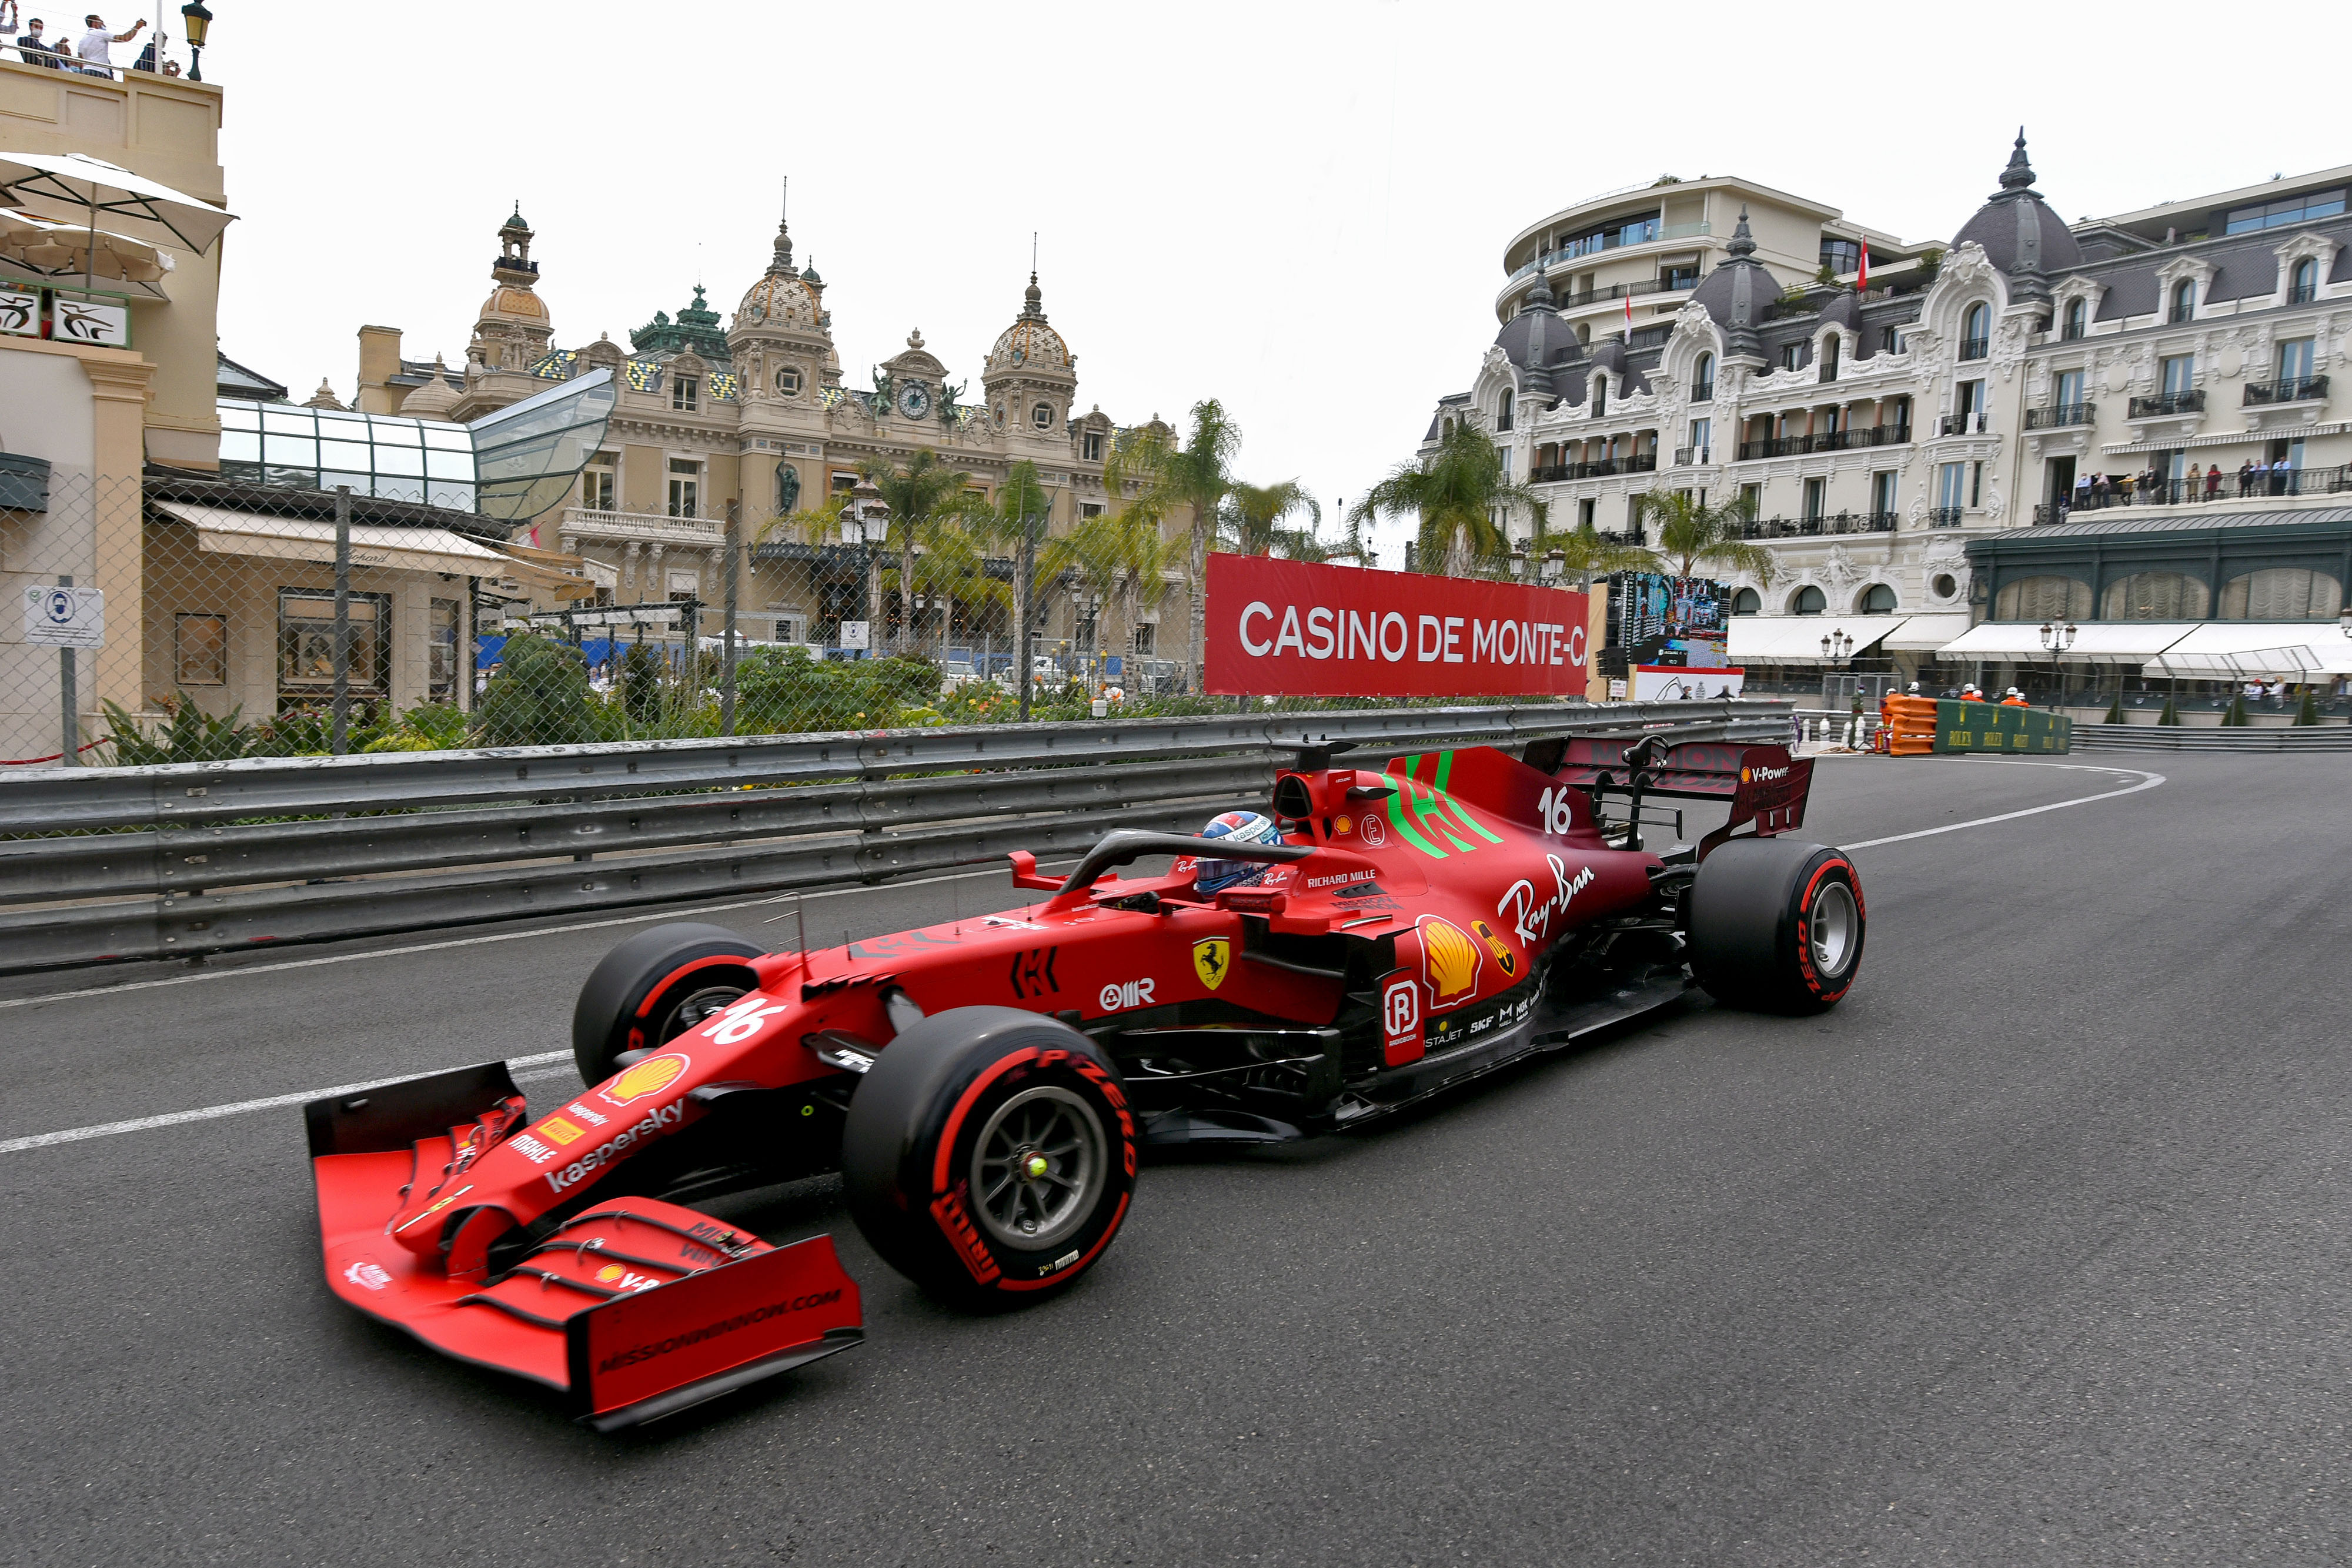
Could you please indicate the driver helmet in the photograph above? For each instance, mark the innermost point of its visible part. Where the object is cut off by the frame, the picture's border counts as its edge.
(1242, 828)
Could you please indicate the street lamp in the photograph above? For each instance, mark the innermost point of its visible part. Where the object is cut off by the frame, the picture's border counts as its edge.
(2057, 638)
(1519, 562)
(1838, 646)
(1555, 566)
(195, 23)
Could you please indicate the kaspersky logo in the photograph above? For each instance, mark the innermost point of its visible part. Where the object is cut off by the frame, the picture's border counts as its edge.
(657, 1121)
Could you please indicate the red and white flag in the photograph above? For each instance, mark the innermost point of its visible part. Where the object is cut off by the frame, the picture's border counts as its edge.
(1863, 285)
(1628, 318)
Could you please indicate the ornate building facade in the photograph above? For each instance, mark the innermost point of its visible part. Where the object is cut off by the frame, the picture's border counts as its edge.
(756, 415)
(1890, 437)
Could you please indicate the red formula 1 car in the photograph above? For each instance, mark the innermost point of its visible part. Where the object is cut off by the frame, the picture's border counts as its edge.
(986, 1086)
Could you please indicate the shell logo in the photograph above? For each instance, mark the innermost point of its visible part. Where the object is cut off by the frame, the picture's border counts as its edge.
(651, 1076)
(609, 1272)
(1341, 827)
(1449, 961)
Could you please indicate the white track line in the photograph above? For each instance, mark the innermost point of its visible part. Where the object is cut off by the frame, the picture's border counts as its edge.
(670, 914)
(275, 1103)
(279, 1102)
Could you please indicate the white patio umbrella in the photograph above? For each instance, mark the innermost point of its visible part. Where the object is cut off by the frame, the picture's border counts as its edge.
(73, 188)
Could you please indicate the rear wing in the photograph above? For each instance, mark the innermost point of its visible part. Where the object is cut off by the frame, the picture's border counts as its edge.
(1765, 785)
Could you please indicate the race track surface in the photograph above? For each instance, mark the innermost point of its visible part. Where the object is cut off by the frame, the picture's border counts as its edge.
(2036, 1251)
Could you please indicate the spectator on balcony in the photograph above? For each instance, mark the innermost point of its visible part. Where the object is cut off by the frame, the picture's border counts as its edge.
(151, 57)
(2099, 489)
(97, 60)
(2279, 480)
(2125, 484)
(2212, 480)
(2246, 478)
(36, 50)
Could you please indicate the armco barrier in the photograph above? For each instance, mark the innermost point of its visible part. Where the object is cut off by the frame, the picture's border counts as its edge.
(2309, 737)
(1991, 726)
(167, 862)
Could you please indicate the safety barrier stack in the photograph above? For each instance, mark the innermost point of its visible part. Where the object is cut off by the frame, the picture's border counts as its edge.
(1910, 726)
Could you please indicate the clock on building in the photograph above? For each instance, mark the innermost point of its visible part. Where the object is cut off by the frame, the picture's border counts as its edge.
(915, 401)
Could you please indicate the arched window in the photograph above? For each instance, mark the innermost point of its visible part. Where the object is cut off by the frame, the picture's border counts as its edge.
(1808, 601)
(2049, 598)
(1600, 396)
(2078, 319)
(1748, 602)
(2184, 299)
(2154, 596)
(1830, 344)
(2304, 282)
(2282, 593)
(1503, 414)
(1703, 380)
(1976, 332)
(1877, 600)
(1447, 433)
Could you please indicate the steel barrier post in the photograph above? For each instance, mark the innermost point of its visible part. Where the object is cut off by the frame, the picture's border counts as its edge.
(69, 700)
(726, 651)
(341, 741)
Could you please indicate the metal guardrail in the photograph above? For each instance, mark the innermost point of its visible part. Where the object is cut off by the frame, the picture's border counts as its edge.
(146, 862)
(2311, 737)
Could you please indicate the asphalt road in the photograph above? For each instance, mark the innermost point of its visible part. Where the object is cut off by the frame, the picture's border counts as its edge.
(2034, 1251)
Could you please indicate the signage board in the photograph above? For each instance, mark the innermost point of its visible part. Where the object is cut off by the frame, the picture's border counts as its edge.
(20, 311)
(1685, 683)
(88, 322)
(1992, 726)
(856, 634)
(1287, 628)
(64, 617)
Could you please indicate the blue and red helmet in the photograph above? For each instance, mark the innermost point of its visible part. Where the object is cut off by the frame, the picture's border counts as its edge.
(1242, 828)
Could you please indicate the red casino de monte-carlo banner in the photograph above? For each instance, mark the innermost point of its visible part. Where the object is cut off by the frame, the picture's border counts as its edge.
(1284, 628)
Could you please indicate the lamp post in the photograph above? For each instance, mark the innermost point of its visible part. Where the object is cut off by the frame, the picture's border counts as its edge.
(195, 21)
(2057, 638)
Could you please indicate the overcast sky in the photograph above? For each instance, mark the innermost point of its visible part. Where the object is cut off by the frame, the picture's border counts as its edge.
(1299, 209)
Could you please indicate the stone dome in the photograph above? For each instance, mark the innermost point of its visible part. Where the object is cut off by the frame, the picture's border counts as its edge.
(2018, 232)
(1738, 291)
(510, 301)
(434, 399)
(1029, 344)
(780, 298)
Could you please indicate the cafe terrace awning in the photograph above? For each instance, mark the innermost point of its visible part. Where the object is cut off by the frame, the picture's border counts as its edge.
(379, 545)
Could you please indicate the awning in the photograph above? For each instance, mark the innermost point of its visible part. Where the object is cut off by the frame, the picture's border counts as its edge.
(57, 251)
(2241, 650)
(2095, 642)
(1797, 639)
(554, 571)
(69, 185)
(1926, 633)
(378, 545)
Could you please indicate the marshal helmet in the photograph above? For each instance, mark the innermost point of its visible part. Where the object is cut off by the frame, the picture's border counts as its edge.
(1242, 828)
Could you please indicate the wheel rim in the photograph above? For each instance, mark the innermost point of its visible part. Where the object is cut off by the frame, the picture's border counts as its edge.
(697, 1008)
(1833, 928)
(1037, 1168)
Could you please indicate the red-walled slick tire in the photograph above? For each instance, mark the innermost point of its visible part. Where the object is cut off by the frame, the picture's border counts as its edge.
(990, 1156)
(656, 985)
(1777, 925)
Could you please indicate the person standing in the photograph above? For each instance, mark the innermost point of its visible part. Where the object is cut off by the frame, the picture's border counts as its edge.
(151, 59)
(2212, 480)
(97, 60)
(36, 50)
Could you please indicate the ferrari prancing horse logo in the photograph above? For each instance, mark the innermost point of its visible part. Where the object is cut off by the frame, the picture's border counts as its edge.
(1211, 958)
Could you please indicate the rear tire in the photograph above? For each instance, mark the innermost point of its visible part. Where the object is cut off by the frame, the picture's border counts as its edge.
(1776, 925)
(653, 986)
(990, 1156)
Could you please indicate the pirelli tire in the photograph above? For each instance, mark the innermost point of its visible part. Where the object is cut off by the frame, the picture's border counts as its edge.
(655, 986)
(990, 1156)
(1776, 925)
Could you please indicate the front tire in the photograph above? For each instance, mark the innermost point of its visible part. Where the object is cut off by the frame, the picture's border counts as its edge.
(1776, 925)
(990, 1156)
(653, 986)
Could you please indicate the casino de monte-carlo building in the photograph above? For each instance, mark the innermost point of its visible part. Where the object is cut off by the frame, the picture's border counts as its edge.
(2031, 419)
(754, 413)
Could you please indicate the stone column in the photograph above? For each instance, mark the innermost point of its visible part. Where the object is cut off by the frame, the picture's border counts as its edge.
(629, 593)
(119, 383)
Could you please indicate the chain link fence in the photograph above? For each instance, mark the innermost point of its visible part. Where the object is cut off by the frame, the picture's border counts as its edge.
(185, 617)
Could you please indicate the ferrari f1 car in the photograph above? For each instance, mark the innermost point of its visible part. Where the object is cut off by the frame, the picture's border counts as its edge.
(986, 1087)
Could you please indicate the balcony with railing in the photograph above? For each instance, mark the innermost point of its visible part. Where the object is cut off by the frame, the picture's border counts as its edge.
(1961, 423)
(1693, 456)
(1943, 517)
(1612, 239)
(1975, 348)
(2060, 414)
(2294, 389)
(2168, 403)
(1598, 469)
(584, 522)
(1828, 523)
(2211, 489)
(2303, 294)
(1846, 439)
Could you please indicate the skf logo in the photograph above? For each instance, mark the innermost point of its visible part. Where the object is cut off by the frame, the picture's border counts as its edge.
(1449, 961)
(1133, 994)
(368, 1274)
(651, 1076)
(1032, 973)
(1212, 960)
(1497, 946)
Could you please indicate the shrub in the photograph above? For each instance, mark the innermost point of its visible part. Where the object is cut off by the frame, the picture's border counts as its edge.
(188, 734)
(539, 697)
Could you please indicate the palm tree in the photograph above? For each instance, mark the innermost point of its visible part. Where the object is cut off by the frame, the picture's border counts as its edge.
(1692, 534)
(1123, 560)
(1018, 524)
(1460, 496)
(1198, 475)
(1251, 520)
(923, 496)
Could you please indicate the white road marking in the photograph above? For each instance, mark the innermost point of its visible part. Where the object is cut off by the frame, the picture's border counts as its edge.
(273, 1102)
(42, 1140)
(274, 969)
(2147, 781)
